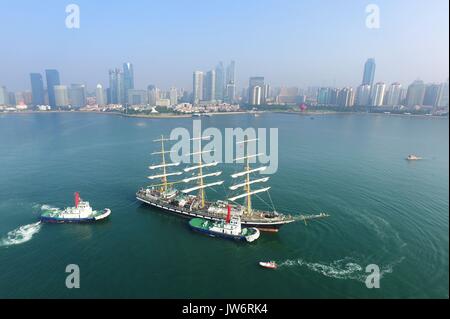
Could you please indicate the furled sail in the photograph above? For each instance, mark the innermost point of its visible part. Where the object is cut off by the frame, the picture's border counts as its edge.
(249, 194)
(261, 180)
(188, 169)
(249, 171)
(163, 165)
(189, 190)
(164, 175)
(187, 180)
(247, 157)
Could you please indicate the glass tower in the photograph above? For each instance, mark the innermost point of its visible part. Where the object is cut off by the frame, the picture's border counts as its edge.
(37, 89)
(52, 77)
(369, 72)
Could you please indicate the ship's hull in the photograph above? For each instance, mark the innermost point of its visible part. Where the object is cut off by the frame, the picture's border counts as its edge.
(62, 220)
(212, 229)
(217, 234)
(56, 220)
(269, 226)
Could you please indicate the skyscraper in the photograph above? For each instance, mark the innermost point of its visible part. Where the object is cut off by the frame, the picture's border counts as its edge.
(256, 90)
(323, 96)
(219, 82)
(415, 94)
(230, 93)
(431, 96)
(77, 95)
(230, 83)
(128, 79)
(363, 95)
(443, 95)
(61, 96)
(137, 97)
(52, 77)
(37, 89)
(197, 87)
(369, 72)
(346, 97)
(333, 96)
(378, 92)
(116, 87)
(394, 94)
(210, 86)
(231, 70)
(256, 95)
(173, 96)
(4, 98)
(100, 95)
(153, 95)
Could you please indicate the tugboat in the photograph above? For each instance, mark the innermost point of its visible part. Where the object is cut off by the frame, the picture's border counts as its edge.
(228, 229)
(81, 213)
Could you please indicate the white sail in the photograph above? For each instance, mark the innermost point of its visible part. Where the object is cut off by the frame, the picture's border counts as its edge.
(188, 169)
(189, 190)
(163, 165)
(246, 157)
(187, 180)
(247, 194)
(259, 169)
(261, 180)
(164, 175)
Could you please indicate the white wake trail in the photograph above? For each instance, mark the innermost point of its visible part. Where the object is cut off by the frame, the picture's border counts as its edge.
(340, 269)
(20, 235)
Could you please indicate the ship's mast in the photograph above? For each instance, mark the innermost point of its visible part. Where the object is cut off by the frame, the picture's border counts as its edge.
(247, 182)
(163, 153)
(200, 171)
(249, 197)
(200, 177)
(164, 181)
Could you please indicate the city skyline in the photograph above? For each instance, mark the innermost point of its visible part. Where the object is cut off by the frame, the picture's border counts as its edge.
(218, 86)
(297, 49)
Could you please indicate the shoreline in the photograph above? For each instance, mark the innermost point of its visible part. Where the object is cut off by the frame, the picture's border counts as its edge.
(176, 116)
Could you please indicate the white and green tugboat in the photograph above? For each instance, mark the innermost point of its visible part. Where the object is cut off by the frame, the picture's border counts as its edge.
(228, 229)
(80, 213)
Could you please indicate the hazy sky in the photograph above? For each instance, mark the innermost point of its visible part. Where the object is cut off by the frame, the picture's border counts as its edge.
(290, 42)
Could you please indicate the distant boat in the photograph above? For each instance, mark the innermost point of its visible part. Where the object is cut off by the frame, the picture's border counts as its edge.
(81, 213)
(268, 264)
(201, 114)
(413, 157)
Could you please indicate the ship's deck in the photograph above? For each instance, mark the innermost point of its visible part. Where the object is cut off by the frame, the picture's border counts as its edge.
(256, 216)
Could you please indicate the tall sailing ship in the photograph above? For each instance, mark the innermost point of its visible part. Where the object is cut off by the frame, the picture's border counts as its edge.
(191, 201)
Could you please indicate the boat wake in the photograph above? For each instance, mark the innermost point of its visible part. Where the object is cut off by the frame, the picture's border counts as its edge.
(20, 235)
(345, 268)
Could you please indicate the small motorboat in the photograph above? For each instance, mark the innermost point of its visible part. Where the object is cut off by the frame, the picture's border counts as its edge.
(413, 157)
(268, 264)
